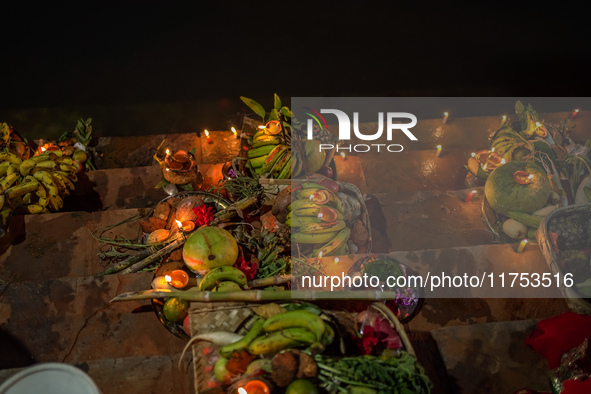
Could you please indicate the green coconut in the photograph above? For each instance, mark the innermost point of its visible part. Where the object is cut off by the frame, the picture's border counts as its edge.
(209, 247)
(504, 194)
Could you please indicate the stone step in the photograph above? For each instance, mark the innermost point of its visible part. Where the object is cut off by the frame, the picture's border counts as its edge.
(71, 320)
(155, 374)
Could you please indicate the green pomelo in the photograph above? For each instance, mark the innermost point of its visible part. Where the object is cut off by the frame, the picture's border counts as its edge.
(504, 194)
(209, 247)
(314, 156)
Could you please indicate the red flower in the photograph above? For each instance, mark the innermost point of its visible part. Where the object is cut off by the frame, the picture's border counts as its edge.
(378, 337)
(204, 215)
(250, 270)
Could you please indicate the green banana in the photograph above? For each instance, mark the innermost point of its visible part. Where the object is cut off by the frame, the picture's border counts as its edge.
(286, 171)
(304, 238)
(220, 274)
(258, 162)
(299, 318)
(11, 157)
(280, 164)
(524, 218)
(302, 204)
(12, 169)
(255, 331)
(301, 221)
(328, 335)
(265, 140)
(272, 157)
(334, 244)
(21, 189)
(322, 227)
(277, 341)
(313, 211)
(259, 134)
(261, 151)
(297, 164)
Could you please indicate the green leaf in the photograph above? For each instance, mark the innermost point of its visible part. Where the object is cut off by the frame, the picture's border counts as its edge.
(256, 107)
(163, 182)
(187, 186)
(519, 108)
(277, 102)
(285, 111)
(274, 114)
(192, 151)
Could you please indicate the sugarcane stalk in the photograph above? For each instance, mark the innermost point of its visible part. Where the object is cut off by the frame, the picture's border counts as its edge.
(256, 295)
(129, 261)
(180, 240)
(227, 213)
(270, 281)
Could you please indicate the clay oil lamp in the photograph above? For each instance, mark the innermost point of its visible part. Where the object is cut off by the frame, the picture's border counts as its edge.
(181, 160)
(254, 387)
(522, 177)
(177, 279)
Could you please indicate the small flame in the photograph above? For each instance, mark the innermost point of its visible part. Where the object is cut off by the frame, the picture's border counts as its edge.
(320, 254)
(503, 161)
(336, 260)
(504, 117)
(484, 167)
(206, 133)
(311, 196)
(167, 152)
(234, 131)
(577, 110)
(524, 242)
(530, 176)
(538, 124)
(474, 154)
(167, 278)
(474, 191)
(43, 149)
(241, 390)
(438, 147)
(320, 215)
(178, 223)
(343, 155)
(492, 150)
(262, 127)
(446, 114)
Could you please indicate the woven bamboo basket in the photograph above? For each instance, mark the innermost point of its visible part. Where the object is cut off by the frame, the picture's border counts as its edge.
(575, 302)
(237, 317)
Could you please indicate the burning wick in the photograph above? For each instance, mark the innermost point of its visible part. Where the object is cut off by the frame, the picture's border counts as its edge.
(177, 279)
(167, 152)
(484, 167)
(503, 161)
(311, 197)
(438, 153)
(469, 196)
(320, 216)
(254, 387)
(43, 149)
(492, 150)
(336, 260)
(522, 245)
(262, 127)
(474, 154)
(343, 156)
(504, 118)
(207, 135)
(575, 112)
(234, 132)
(445, 116)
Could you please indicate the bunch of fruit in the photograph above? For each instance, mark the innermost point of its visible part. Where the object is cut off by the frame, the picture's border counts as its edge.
(37, 184)
(269, 155)
(272, 337)
(317, 220)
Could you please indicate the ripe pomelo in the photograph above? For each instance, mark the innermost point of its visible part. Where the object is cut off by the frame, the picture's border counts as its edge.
(209, 247)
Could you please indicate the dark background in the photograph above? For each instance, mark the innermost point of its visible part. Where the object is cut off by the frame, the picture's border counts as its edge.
(109, 54)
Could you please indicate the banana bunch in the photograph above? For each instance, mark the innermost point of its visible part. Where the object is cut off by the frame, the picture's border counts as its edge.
(224, 278)
(268, 155)
(282, 331)
(505, 142)
(316, 218)
(35, 185)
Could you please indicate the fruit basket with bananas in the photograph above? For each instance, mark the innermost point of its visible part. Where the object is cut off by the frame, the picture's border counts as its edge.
(565, 240)
(276, 347)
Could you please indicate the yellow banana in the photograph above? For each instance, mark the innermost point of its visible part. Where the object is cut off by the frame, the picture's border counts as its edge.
(32, 208)
(47, 181)
(55, 202)
(20, 189)
(61, 186)
(28, 198)
(68, 175)
(4, 167)
(1, 201)
(303, 238)
(11, 157)
(66, 160)
(279, 340)
(320, 228)
(69, 184)
(12, 169)
(333, 245)
(42, 157)
(45, 165)
(26, 167)
(67, 168)
(7, 181)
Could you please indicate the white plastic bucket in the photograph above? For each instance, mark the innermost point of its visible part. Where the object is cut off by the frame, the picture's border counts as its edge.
(50, 378)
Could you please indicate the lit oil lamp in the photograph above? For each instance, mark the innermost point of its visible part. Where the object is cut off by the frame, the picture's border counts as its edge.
(445, 116)
(439, 148)
(235, 132)
(469, 196)
(186, 227)
(177, 279)
(575, 112)
(522, 245)
(207, 135)
(254, 387)
(343, 156)
(522, 177)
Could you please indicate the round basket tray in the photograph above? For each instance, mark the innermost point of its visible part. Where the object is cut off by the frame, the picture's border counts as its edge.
(494, 222)
(238, 317)
(574, 300)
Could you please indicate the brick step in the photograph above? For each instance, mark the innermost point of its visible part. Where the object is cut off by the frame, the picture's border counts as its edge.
(71, 320)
